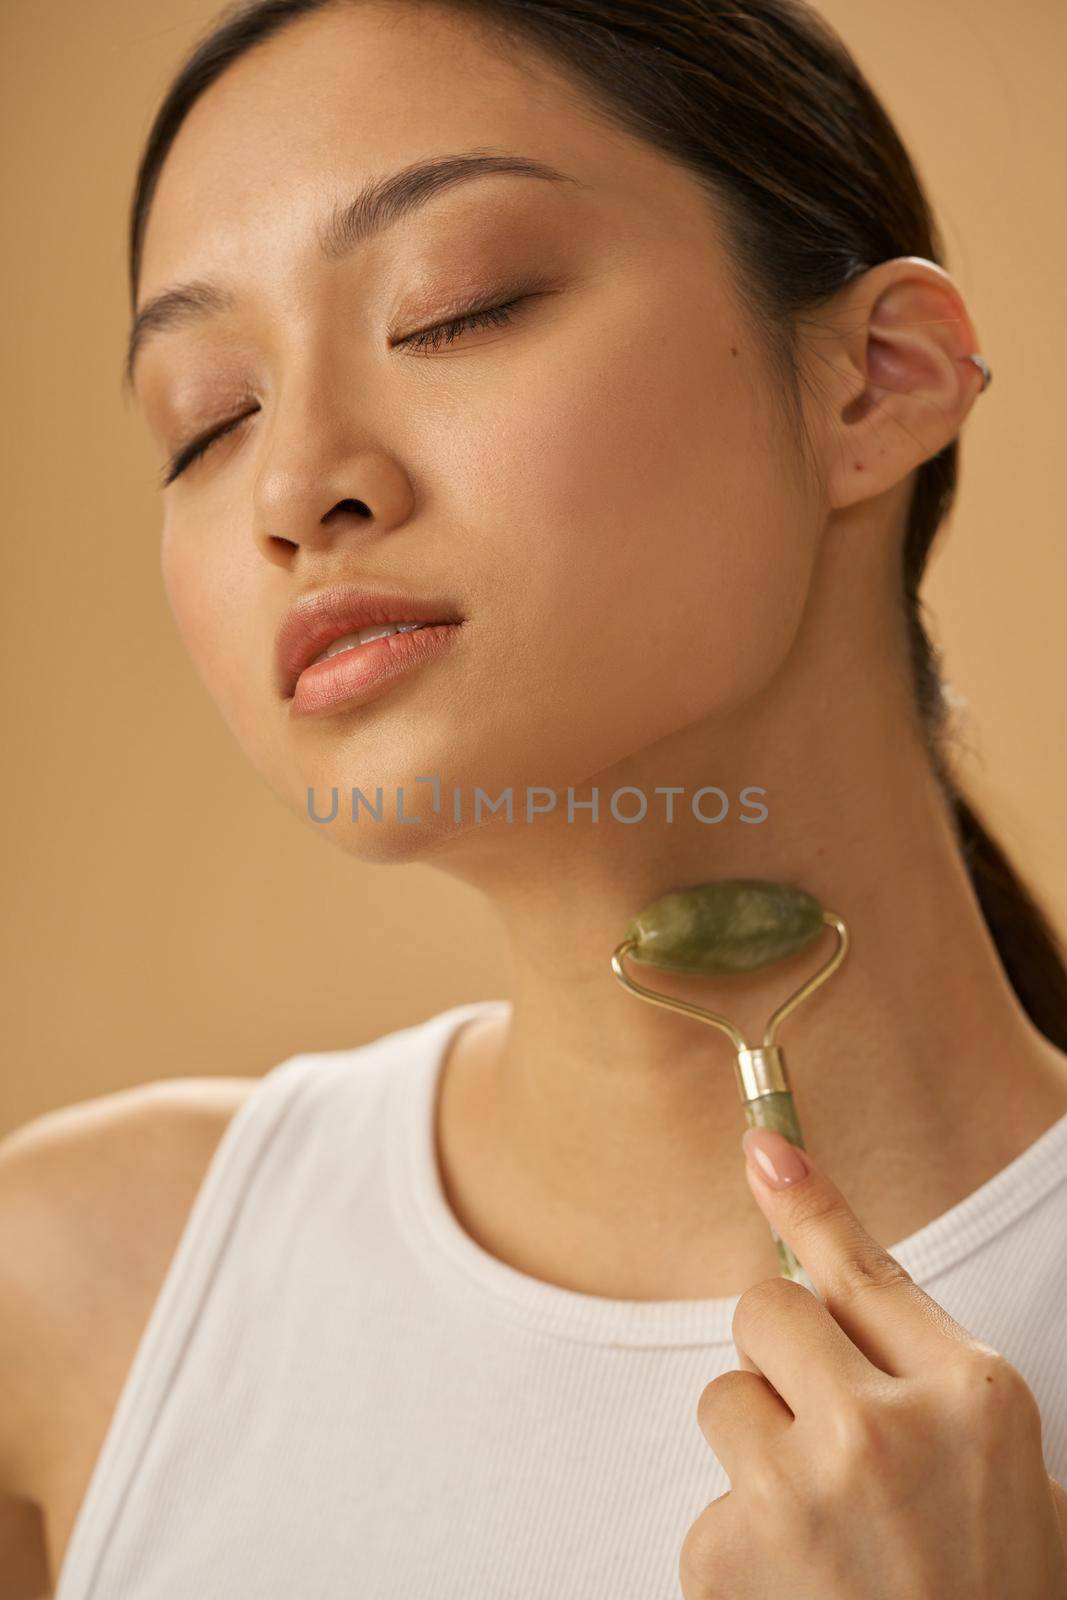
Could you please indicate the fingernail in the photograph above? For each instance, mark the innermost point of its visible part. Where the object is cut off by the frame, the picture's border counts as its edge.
(777, 1161)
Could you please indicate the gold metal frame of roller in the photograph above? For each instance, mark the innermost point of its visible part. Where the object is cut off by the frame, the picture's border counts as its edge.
(760, 1069)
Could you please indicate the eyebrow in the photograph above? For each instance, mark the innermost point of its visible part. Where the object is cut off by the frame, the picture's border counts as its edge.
(376, 207)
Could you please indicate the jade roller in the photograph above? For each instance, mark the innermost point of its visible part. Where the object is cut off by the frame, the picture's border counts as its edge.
(737, 925)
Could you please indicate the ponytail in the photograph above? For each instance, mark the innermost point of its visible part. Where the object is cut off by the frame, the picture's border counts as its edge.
(1027, 943)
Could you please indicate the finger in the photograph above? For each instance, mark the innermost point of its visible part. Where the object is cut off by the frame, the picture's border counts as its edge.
(746, 1364)
(742, 1419)
(873, 1298)
(800, 1348)
(1059, 1500)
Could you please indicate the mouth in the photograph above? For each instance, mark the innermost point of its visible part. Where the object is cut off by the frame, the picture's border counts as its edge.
(352, 641)
(354, 673)
(329, 623)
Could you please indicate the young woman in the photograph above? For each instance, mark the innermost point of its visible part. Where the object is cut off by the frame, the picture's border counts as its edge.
(612, 347)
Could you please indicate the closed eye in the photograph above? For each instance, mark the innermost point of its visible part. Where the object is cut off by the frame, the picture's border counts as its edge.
(497, 316)
(196, 448)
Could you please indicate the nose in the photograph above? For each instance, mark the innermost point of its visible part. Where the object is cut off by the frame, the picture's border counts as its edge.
(316, 486)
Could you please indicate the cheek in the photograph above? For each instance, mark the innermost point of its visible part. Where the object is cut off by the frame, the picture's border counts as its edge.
(212, 597)
(650, 541)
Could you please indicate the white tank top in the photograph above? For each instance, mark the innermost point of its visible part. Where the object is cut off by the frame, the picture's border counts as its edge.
(339, 1395)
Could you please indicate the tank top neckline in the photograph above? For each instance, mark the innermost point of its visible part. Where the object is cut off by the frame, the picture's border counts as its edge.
(463, 1267)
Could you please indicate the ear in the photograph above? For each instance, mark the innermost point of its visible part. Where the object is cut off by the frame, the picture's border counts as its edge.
(890, 358)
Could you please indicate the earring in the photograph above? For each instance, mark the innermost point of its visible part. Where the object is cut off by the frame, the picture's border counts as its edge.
(984, 368)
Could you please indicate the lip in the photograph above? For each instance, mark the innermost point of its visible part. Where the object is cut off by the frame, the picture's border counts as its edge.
(354, 676)
(317, 619)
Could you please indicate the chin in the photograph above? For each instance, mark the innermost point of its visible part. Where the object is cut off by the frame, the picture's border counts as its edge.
(389, 842)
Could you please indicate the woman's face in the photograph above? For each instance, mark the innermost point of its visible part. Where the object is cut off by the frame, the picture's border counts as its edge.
(602, 487)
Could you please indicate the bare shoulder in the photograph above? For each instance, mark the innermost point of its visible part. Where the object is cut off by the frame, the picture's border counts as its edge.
(93, 1201)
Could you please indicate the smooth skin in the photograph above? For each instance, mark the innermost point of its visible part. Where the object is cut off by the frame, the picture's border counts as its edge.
(659, 589)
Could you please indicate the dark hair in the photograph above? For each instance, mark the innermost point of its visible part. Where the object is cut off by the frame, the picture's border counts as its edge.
(762, 102)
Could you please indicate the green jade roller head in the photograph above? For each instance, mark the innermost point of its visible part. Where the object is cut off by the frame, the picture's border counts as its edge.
(737, 925)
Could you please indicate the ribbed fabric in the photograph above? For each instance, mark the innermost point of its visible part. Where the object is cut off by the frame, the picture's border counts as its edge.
(339, 1395)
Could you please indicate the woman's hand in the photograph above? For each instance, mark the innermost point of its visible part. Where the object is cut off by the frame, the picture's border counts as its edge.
(875, 1449)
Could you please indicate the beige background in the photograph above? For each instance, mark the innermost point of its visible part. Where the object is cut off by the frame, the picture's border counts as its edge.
(163, 913)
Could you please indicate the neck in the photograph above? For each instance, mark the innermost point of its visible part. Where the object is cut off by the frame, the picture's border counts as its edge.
(595, 1139)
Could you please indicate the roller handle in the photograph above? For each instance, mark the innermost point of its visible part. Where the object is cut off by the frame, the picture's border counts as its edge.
(778, 1112)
